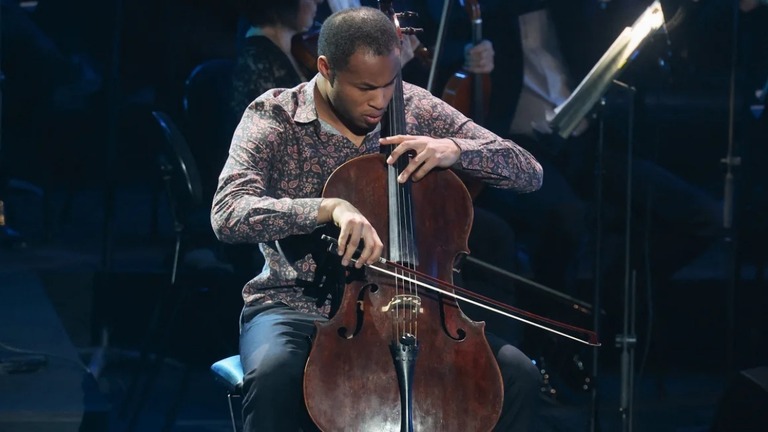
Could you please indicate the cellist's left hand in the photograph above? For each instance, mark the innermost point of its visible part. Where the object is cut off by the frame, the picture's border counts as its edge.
(428, 153)
(410, 44)
(479, 58)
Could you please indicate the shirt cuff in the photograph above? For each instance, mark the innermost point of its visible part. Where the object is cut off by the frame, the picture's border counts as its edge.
(469, 159)
(305, 213)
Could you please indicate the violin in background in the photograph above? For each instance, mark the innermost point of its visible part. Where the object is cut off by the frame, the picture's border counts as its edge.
(466, 91)
(304, 50)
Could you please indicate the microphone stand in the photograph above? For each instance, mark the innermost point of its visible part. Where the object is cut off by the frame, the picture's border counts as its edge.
(113, 98)
(438, 44)
(730, 161)
(628, 339)
(597, 265)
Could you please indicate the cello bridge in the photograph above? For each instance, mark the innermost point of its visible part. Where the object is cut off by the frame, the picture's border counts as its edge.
(403, 303)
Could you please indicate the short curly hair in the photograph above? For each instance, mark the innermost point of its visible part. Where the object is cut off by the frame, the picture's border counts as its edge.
(348, 30)
(269, 12)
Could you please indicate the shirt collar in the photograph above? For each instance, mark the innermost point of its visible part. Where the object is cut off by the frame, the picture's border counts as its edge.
(307, 111)
(254, 31)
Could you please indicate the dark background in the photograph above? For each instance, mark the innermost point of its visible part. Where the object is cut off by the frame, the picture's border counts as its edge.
(87, 196)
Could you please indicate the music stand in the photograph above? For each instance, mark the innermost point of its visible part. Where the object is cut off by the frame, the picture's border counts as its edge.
(563, 121)
(566, 116)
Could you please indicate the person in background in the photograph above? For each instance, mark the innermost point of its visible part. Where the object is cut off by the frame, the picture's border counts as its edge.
(673, 221)
(265, 60)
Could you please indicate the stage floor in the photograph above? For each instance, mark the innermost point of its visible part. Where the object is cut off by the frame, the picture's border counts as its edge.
(678, 389)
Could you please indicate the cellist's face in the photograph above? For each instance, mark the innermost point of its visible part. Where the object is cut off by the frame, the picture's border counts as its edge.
(360, 93)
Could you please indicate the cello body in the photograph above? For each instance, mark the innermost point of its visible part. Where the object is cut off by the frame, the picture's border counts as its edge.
(351, 382)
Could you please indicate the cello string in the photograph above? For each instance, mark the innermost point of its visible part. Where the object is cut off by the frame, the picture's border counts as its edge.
(483, 305)
(399, 284)
(396, 231)
(404, 214)
(407, 221)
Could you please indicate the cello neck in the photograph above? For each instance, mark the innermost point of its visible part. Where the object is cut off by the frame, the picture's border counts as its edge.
(473, 10)
(402, 239)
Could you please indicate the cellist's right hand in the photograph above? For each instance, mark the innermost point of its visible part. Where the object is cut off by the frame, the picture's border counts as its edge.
(354, 227)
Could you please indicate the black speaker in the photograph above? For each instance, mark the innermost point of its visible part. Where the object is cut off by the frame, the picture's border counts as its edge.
(744, 405)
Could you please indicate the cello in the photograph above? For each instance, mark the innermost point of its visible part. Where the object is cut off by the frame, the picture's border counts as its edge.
(395, 357)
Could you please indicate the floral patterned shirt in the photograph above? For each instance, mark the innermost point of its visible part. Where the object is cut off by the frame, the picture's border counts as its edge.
(282, 154)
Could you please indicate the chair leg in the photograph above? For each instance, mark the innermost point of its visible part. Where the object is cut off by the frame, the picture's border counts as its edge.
(232, 412)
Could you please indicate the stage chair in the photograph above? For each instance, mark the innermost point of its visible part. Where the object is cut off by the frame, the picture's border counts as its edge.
(209, 123)
(194, 267)
(207, 117)
(229, 372)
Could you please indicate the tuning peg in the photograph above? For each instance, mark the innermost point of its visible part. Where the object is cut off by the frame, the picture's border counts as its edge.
(411, 30)
(406, 14)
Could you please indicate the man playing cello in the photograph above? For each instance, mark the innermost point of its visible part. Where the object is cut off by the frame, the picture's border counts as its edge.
(287, 144)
